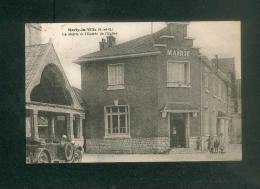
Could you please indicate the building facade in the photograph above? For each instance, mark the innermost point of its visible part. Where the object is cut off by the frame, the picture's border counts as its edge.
(53, 108)
(153, 93)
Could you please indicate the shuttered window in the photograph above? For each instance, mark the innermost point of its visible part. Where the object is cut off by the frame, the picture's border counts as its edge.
(115, 76)
(178, 74)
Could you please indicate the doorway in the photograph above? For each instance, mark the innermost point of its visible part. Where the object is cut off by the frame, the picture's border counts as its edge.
(177, 130)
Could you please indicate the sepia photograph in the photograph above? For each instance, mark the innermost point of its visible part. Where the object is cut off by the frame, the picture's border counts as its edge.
(133, 92)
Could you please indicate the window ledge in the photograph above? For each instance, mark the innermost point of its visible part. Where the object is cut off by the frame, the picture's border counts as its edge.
(115, 87)
(178, 85)
(117, 136)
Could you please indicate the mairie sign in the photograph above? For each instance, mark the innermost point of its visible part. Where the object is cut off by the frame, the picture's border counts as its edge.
(178, 52)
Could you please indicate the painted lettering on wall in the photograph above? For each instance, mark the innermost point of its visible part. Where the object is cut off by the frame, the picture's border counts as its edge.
(178, 52)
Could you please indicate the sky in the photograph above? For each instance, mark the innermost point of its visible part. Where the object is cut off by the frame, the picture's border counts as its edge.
(219, 37)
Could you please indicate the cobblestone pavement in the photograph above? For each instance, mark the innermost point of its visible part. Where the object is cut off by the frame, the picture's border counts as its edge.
(233, 153)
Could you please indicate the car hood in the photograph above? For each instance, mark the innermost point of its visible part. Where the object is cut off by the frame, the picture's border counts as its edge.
(31, 141)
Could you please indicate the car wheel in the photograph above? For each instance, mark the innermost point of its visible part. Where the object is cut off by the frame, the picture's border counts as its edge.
(77, 156)
(68, 151)
(43, 157)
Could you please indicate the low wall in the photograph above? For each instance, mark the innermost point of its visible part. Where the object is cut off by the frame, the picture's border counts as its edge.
(128, 145)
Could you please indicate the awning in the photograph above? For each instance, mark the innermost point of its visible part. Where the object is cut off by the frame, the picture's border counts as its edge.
(180, 108)
(222, 115)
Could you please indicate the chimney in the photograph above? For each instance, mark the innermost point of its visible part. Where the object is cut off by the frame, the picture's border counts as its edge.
(177, 29)
(102, 44)
(111, 41)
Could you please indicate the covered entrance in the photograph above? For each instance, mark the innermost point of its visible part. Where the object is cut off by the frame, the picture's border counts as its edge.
(222, 126)
(178, 114)
(178, 131)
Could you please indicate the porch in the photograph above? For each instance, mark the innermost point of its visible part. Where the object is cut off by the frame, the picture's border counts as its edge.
(49, 121)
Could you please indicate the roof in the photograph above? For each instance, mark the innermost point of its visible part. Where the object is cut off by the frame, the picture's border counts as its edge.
(79, 94)
(227, 65)
(33, 56)
(37, 57)
(180, 107)
(139, 45)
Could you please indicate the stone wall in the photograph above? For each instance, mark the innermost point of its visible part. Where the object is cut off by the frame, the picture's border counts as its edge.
(128, 145)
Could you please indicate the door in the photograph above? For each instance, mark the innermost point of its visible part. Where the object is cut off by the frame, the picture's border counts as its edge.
(177, 130)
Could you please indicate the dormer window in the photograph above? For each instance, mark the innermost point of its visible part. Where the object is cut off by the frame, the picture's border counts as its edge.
(115, 76)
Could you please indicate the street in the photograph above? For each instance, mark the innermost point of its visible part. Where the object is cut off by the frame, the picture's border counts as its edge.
(234, 153)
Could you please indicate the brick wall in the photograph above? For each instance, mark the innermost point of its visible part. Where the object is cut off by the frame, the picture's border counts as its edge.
(140, 93)
(128, 145)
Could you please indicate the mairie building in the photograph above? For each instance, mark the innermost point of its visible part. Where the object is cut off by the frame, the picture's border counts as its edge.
(155, 93)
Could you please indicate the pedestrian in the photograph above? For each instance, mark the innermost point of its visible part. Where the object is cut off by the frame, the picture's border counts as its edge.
(221, 143)
(211, 144)
(210, 141)
(216, 144)
(198, 142)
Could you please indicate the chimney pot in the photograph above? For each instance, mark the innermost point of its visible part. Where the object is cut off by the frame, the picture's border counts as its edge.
(111, 41)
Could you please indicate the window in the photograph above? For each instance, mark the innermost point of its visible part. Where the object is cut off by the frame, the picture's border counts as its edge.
(42, 127)
(117, 121)
(28, 123)
(115, 76)
(224, 93)
(206, 75)
(215, 85)
(178, 74)
(219, 89)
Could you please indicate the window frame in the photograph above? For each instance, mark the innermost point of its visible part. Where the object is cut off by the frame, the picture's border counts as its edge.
(118, 86)
(45, 127)
(214, 86)
(187, 82)
(127, 115)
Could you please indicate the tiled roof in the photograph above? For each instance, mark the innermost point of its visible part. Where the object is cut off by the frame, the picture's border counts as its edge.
(79, 94)
(227, 65)
(139, 45)
(33, 56)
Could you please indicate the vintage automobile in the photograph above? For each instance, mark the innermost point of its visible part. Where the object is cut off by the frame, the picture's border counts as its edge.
(52, 151)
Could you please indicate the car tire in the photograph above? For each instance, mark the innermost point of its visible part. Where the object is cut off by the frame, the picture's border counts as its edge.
(68, 151)
(43, 157)
(77, 158)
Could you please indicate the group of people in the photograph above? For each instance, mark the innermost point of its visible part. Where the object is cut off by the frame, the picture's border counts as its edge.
(216, 144)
